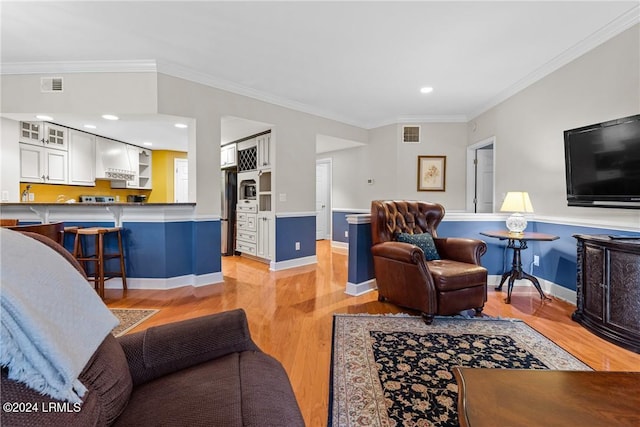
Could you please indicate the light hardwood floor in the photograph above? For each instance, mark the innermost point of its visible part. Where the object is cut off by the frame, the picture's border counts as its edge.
(290, 317)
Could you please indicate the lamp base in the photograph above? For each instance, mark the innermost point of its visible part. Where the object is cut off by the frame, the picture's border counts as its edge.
(516, 223)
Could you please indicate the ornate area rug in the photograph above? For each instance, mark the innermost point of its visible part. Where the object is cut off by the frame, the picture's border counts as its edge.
(396, 370)
(130, 318)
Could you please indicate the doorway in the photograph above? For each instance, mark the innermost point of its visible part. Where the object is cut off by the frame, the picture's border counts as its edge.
(181, 180)
(481, 176)
(323, 199)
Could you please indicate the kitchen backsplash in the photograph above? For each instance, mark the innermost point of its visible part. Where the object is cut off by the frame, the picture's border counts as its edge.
(46, 193)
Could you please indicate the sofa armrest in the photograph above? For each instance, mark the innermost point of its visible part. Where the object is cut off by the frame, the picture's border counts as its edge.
(169, 348)
(399, 251)
(461, 249)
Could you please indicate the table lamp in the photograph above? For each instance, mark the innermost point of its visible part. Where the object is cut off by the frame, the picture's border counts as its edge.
(516, 202)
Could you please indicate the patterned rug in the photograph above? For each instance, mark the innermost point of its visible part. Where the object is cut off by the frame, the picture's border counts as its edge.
(396, 370)
(130, 318)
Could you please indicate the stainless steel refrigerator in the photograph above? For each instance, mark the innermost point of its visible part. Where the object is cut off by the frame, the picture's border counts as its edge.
(228, 216)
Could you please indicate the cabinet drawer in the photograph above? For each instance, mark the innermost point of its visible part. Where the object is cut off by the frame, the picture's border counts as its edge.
(247, 236)
(248, 248)
(247, 224)
(247, 208)
(241, 217)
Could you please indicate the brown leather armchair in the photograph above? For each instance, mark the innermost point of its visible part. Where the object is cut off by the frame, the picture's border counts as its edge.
(445, 286)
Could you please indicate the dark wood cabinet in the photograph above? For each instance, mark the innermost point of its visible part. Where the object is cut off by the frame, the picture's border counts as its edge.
(608, 288)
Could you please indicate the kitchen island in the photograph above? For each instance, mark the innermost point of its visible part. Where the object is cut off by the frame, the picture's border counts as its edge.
(166, 245)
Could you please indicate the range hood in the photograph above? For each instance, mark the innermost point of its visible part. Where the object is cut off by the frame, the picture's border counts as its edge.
(112, 160)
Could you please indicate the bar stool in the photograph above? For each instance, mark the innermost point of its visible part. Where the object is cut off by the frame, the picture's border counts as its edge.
(99, 257)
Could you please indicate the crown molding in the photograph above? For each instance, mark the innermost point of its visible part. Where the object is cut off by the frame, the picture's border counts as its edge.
(60, 67)
(615, 27)
(186, 73)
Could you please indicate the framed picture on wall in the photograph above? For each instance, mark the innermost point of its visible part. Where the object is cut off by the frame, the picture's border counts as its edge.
(432, 173)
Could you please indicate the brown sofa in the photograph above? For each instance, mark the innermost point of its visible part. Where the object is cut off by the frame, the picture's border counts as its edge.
(205, 371)
(445, 286)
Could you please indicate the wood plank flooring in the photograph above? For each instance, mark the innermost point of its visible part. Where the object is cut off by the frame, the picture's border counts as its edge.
(290, 316)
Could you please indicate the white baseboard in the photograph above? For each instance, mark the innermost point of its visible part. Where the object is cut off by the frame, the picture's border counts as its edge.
(292, 263)
(355, 289)
(168, 283)
(547, 286)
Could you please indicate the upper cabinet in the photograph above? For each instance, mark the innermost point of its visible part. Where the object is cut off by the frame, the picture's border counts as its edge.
(263, 143)
(44, 134)
(42, 165)
(228, 156)
(55, 154)
(82, 158)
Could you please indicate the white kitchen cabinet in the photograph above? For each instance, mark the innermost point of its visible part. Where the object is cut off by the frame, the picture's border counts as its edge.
(263, 143)
(265, 232)
(246, 227)
(228, 156)
(31, 133)
(43, 165)
(134, 164)
(55, 136)
(44, 134)
(144, 168)
(82, 158)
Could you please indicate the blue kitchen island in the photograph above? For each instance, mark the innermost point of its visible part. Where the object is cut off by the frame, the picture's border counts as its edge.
(167, 245)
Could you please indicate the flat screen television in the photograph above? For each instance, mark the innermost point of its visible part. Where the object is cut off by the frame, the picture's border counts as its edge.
(603, 164)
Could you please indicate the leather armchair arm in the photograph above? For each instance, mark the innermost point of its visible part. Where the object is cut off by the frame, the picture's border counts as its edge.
(461, 249)
(169, 348)
(400, 251)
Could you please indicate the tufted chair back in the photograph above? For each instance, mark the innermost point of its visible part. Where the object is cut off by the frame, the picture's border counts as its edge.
(391, 217)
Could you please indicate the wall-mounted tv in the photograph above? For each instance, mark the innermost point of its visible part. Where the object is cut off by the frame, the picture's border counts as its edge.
(603, 164)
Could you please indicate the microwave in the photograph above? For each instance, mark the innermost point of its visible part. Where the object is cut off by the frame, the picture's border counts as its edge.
(249, 191)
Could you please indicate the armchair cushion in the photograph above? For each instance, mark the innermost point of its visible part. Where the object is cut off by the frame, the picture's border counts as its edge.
(422, 240)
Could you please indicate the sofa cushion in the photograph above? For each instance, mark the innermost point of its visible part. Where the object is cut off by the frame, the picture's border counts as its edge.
(422, 240)
(449, 275)
(240, 389)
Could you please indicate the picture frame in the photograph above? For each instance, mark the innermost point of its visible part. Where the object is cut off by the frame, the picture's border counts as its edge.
(432, 173)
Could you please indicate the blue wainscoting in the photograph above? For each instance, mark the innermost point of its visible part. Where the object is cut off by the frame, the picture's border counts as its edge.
(162, 250)
(360, 258)
(292, 229)
(557, 258)
(340, 225)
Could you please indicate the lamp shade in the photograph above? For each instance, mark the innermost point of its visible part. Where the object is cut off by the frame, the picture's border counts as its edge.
(517, 201)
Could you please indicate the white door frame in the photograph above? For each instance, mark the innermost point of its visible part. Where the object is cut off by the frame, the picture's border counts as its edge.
(471, 175)
(328, 186)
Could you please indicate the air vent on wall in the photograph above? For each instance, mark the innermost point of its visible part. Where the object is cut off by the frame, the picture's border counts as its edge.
(411, 134)
(50, 84)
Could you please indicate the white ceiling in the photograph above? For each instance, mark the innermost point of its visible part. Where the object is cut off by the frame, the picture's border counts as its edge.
(360, 62)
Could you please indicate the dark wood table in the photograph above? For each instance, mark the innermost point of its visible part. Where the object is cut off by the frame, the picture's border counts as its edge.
(518, 242)
(524, 397)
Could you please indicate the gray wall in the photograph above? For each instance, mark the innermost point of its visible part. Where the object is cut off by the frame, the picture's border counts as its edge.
(601, 85)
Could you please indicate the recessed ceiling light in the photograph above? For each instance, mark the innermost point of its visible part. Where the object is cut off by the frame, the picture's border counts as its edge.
(110, 117)
(426, 89)
(181, 125)
(90, 126)
(43, 117)
(147, 143)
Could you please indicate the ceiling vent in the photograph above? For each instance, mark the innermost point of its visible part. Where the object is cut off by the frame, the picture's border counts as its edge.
(50, 84)
(411, 134)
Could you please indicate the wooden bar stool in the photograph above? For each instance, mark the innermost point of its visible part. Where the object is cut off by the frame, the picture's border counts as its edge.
(99, 257)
